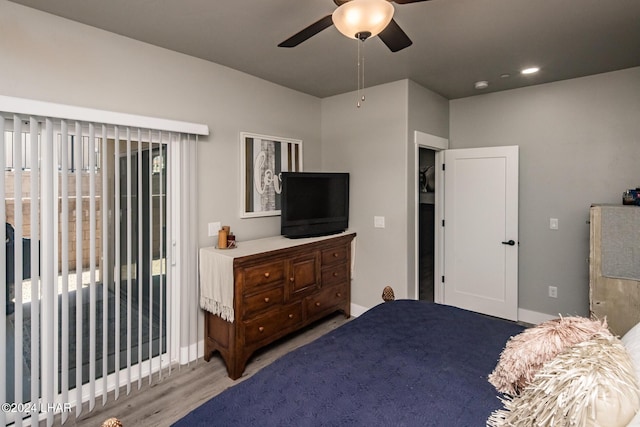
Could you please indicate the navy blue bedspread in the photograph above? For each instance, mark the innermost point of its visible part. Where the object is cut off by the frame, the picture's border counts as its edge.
(402, 363)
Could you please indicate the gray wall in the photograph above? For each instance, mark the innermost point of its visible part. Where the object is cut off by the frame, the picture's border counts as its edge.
(375, 144)
(428, 112)
(374, 155)
(48, 58)
(579, 144)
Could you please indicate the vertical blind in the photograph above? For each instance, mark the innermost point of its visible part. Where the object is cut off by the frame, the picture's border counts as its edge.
(100, 256)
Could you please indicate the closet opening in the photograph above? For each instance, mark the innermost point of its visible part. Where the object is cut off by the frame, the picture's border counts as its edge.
(426, 223)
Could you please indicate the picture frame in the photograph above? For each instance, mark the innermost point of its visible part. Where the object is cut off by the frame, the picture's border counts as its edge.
(262, 159)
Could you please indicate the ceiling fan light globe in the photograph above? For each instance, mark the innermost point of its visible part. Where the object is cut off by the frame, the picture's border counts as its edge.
(362, 16)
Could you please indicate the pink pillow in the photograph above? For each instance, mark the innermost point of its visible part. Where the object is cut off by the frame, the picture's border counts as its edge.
(525, 353)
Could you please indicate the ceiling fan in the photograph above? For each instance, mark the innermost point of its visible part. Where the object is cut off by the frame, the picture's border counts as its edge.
(382, 24)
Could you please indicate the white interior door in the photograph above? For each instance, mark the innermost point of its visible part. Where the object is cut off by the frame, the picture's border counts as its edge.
(481, 230)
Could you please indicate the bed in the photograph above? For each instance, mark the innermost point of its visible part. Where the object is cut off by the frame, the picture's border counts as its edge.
(402, 363)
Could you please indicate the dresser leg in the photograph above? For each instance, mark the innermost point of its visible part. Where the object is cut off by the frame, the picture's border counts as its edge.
(236, 365)
(346, 309)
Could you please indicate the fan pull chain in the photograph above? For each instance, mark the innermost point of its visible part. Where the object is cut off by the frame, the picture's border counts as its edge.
(361, 97)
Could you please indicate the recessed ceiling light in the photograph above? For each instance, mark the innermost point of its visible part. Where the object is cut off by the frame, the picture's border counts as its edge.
(482, 84)
(530, 70)
(505, 76)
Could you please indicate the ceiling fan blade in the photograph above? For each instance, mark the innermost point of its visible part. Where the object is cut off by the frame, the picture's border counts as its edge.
(394, 37)
(408, 1)
(308, 32)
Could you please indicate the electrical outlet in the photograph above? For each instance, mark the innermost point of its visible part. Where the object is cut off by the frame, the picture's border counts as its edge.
(378, 221)
(553, 292)
(553, 223)
(214, 227)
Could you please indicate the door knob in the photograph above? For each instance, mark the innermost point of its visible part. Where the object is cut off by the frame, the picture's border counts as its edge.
(510, 243)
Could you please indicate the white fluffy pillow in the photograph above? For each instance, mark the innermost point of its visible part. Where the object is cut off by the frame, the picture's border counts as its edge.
(631, 341)
(592, 383)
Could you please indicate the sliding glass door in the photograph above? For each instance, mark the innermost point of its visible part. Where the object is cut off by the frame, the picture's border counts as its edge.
(109, 293)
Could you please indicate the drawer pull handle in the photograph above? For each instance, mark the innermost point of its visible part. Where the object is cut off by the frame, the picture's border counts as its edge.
(266, 299)
(317, 304)
(335, 274)
(338, 294)
(292, 280)
(291, 316)
(335, 254)
(267, 274)
(261, 328)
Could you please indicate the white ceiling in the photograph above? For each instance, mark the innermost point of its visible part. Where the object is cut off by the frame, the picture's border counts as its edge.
(455, 42)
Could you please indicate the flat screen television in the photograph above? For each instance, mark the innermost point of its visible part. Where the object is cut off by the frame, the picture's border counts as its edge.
(314, 203)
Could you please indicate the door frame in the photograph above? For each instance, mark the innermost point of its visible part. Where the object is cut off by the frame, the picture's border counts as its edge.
(437, 144)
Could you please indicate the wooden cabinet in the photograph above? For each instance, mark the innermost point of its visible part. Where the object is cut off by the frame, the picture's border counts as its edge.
(614, 260)
(279, 291)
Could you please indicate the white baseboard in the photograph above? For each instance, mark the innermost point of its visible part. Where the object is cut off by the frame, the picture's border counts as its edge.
(357, 310)
(534, 317)
(187, 353)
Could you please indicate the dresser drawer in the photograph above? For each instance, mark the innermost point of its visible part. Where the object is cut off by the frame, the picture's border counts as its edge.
(273, 325)
(327, 300)
(334, 255)
(266, 300)
(334, 274)
(263, 274)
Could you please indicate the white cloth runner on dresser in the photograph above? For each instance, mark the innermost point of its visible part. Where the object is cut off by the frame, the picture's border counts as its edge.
(216, 283)
(216, 269)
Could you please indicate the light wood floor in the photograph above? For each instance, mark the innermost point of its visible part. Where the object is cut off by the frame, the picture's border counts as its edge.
(188, 386)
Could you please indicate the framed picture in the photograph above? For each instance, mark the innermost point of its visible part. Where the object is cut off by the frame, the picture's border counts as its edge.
(263, 159)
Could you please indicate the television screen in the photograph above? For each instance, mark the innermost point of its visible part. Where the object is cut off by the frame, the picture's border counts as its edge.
(314, 203)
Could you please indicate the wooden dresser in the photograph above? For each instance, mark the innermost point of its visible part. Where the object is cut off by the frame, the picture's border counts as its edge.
(276, 292)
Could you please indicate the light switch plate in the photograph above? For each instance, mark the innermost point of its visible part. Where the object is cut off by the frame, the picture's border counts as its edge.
(214, 227)
(553, 223)
(378, 221)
